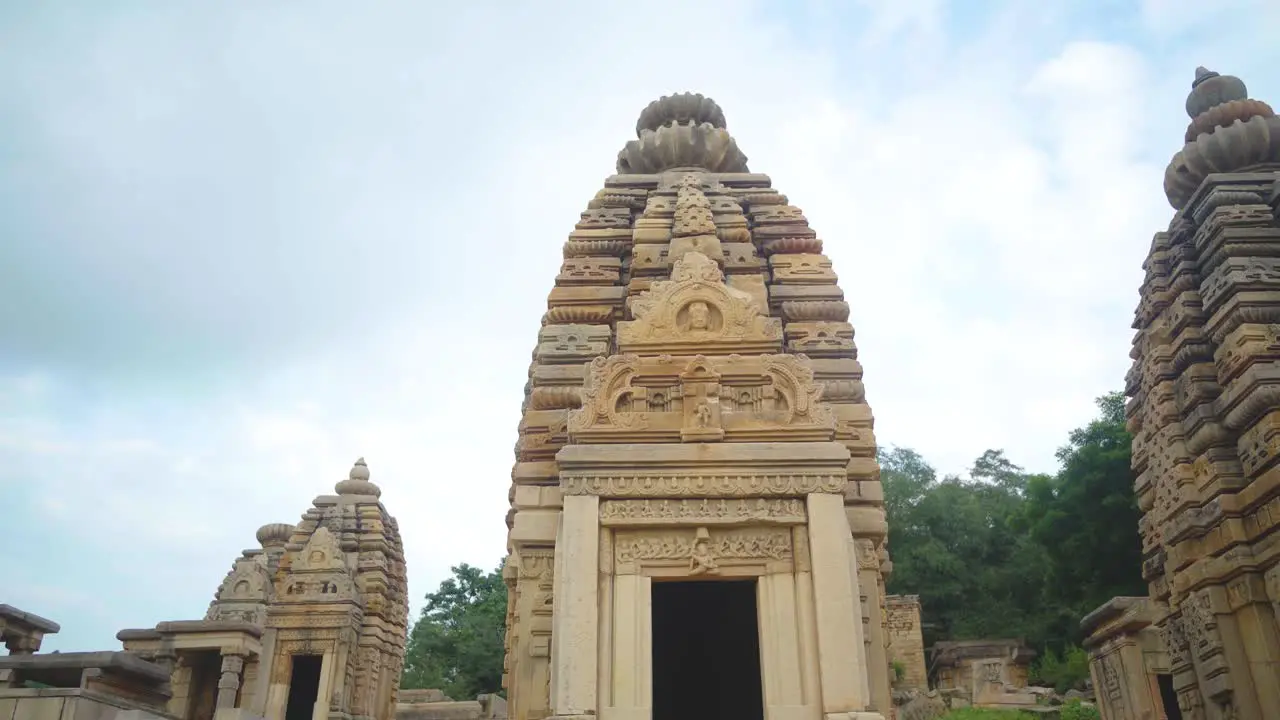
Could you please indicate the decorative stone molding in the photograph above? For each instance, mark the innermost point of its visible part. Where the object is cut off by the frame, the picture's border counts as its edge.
(722, 511)
(681, 485)
(630, 398)
(700, 550)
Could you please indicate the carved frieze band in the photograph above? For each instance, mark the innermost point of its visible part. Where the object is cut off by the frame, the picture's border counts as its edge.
(702, 512)
(704, 549)
(680, 485)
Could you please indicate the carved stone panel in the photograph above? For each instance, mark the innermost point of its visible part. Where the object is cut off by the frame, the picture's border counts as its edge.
(802, 268)
(589, 271)
(696, 311)
(571, 343)
(821, 339)
(628, 398)
(702, 550)
(720, 511)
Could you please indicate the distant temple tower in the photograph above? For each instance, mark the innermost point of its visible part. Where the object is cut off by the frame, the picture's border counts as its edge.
(312, 626)
(1205, 416)
(697, 528)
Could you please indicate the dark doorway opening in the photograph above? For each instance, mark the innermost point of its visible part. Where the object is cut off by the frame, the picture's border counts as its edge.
(1168, 696)
(304, 687)
(706, 651)
(206, 668)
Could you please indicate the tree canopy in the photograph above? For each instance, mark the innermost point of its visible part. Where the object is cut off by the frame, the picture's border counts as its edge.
(456, 644)
(1006, 553)
(999, 553)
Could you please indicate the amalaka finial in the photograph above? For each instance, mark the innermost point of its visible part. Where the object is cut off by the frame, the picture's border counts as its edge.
(359, 471)
(1211, 89)
(685, 130)
(1229, 132)
(684, 108)
(357, 482)
(274, 534)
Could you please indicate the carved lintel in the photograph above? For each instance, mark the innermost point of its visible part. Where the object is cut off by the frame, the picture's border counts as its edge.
(706, 511)
(710, 485)
(702, 549)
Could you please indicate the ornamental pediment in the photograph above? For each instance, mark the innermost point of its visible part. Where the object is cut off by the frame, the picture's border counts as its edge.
(321, 553)
(630, 398)
(696, 312)
(249, 580)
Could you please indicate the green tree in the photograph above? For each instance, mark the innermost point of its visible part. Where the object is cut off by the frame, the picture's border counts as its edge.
(457, 643)
(1004, 553)
(954, 544)
(1086, 517)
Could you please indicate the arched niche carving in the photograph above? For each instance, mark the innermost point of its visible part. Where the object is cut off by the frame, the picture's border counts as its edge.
(629, 398)
(696, 311)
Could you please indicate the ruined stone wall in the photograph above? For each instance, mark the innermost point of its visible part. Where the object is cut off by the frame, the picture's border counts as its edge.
(906, 642)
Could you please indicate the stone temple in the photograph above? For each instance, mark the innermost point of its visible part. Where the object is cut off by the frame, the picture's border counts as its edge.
(311, 625)
(697, 528)
(1205, 418)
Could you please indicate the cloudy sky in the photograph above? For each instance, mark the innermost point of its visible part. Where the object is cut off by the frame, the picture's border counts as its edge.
(242, 244)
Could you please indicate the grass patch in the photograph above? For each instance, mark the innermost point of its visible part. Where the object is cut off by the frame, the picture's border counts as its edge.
(1071, 710)
(970, 713)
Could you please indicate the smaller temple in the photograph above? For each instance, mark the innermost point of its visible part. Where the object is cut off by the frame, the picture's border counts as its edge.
(991, 673)
(1127, 661)
(310, 625)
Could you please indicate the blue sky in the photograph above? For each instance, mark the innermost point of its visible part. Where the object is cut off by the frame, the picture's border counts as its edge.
(244, 245)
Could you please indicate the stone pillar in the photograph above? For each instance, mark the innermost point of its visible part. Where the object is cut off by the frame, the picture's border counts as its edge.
(22, 644)
(631, 687)
(1249, 604)
(859, 624)
(835, 606)
(870, 584)
(780, 649)
(320, 710)
(806, 618)
(605, 645)
(263, 680)
(574, 633)
(229, 682)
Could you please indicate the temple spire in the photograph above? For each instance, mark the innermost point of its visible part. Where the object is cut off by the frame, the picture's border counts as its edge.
(685, 130)
(1229, 132)
(357, 482)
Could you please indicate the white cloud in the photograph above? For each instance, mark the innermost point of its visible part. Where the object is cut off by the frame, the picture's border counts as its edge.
(410, 177)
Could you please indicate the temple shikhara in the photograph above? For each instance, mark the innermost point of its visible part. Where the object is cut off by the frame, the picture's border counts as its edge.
(1205, 416)
(311, 625)
(696, 528)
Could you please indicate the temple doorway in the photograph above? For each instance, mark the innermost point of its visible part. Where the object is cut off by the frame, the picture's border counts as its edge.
(1168, 697)
(206, 668)
(706, 651)
(304, 687)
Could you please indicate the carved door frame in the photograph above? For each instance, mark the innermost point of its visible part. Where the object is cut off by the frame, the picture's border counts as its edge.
(776, 556)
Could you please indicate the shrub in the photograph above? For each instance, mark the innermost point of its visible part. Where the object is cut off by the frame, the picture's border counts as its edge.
(899, 671)
(1062, 672)
(1076, 710)
(972, 713)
